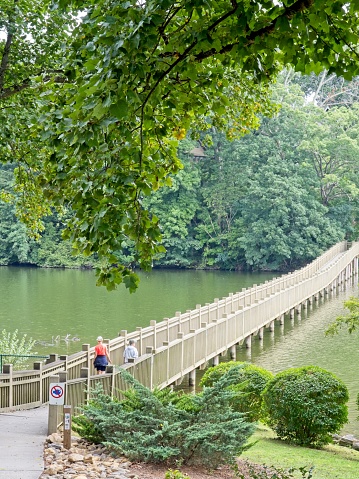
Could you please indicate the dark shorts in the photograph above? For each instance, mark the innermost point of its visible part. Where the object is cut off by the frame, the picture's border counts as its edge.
(100, 363)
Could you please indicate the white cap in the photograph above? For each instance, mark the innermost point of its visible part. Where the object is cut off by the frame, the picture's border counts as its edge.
(100, 338)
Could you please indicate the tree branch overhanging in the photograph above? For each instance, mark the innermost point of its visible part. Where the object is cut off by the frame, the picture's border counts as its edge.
(26, 83)
(5, 59)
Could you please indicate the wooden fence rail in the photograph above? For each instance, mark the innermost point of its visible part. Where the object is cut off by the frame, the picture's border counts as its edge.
(177, 346)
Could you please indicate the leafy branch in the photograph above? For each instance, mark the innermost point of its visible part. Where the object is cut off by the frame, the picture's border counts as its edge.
(350, 321)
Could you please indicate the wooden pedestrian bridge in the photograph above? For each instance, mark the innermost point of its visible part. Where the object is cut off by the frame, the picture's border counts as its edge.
(174, 348)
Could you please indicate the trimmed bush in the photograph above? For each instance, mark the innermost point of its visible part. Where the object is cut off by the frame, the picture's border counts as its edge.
(167, 427)
(306, 405)
(250, 383)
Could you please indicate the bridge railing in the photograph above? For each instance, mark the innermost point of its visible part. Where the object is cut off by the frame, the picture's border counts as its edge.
(170, 362)
(174, 346)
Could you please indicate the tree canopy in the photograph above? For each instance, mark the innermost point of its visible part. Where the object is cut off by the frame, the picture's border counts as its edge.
(121, 87)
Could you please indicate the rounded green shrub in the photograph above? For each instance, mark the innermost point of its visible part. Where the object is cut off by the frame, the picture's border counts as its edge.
(306, 405)
(252, 380)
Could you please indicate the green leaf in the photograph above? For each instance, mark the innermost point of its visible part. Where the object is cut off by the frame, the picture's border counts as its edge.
(119, 109)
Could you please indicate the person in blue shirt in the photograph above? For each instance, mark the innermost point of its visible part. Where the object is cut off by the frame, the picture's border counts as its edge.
(130, 353)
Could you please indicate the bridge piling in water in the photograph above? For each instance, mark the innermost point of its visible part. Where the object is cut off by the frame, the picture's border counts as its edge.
(192, 378)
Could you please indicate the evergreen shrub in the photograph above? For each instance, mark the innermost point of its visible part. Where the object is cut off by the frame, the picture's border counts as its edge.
(306, 405)
(251, 381)
(168, 427)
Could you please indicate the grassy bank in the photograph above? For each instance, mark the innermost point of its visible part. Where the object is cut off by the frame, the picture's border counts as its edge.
(331, 462)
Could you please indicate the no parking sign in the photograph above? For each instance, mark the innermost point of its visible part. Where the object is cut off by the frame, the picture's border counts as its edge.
(57, 394)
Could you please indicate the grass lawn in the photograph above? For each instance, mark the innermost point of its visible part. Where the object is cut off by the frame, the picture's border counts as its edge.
(330, 462)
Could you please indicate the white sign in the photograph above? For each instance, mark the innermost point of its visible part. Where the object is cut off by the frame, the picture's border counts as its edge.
(57, 394)
(67, 421)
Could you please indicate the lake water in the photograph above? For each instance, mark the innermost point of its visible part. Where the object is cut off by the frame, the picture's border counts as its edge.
(52, 305)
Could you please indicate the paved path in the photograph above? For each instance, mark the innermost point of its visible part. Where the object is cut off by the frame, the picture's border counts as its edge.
(22, 437)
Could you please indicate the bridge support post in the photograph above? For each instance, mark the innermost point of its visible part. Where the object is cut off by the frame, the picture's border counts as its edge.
(153, 323)
(248, 341)
(192, 378)
(271, 326)
(38, 365)
(215, 361)
(52, 358)
(63, 358)
(85, 373)
(260, 333)
(151, 351)
(281, 319)
(140, 340)
(86, 348)
(123, 334)
(233, 352)
(8, 369)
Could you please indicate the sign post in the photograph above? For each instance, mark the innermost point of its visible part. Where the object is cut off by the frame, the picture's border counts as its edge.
(57, 394)
(56, 399)
(67, 427)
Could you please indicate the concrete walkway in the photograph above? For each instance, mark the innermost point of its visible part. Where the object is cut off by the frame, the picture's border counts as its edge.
(22, 437)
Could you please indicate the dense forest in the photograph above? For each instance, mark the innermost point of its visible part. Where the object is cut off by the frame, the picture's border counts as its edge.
(103, 101)
(272, 199)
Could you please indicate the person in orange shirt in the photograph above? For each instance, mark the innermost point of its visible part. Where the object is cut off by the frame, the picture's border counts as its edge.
(102, 357)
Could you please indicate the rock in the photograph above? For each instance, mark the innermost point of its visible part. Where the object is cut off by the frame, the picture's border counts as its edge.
(50, 451)
(55, 437)
(76, 457)
(347, 440)
(52, 470)
(83, 461)
(355, 445)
